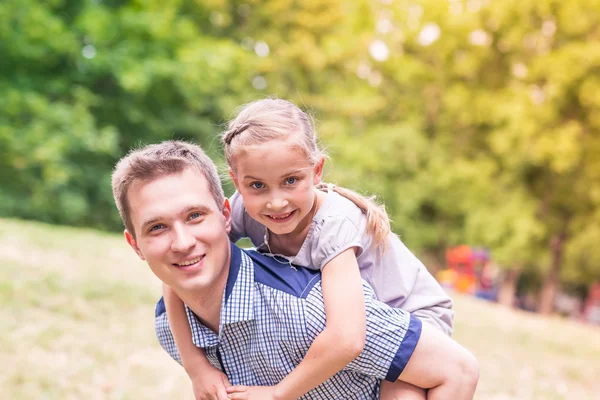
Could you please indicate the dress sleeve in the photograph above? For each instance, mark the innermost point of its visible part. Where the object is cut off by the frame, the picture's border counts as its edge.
(404, 282)
(238, 210)
(430, 303)
(333, 235)
(242, 225)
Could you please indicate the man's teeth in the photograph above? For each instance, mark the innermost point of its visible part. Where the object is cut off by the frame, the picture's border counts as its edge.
(185, 263)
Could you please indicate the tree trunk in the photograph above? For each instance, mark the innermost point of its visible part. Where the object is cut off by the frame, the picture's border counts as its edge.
(546, 303)
(508, 288)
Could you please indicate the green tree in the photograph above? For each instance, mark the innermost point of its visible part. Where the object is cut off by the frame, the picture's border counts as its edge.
(475, 121)
(487, 130)
(83, 82)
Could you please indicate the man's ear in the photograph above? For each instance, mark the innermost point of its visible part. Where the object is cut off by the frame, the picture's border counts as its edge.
(234, 179)
(227, 214)
(318, 170)
(133, 243)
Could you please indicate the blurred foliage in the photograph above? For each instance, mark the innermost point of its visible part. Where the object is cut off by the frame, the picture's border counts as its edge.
(84, 81)
(475, 121)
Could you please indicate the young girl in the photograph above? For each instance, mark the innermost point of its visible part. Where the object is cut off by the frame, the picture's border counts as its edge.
(281, 205)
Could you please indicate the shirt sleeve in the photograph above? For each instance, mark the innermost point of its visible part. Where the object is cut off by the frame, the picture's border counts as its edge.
(333, 235)
(391, 337)
(163, 331)
(410, 286)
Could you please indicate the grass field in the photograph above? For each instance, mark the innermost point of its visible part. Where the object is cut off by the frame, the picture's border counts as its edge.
(77, 323)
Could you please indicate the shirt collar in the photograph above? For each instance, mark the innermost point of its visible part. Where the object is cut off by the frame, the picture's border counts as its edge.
(238, 300)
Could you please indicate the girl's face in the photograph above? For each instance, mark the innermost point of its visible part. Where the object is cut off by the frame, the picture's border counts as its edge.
(277, 184)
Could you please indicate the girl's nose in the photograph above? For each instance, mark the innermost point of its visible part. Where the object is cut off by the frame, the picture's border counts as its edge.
(277, 202)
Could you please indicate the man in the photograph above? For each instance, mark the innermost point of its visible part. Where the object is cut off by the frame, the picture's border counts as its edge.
(254, 317)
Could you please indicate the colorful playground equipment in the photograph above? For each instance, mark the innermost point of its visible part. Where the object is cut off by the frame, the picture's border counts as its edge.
(591, 308)
(469, 271)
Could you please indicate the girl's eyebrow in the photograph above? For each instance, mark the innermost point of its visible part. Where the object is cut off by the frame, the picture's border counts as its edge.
(294, 172)
(248, 177)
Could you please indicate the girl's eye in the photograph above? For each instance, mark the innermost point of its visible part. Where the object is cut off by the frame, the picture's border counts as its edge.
(291, 180)
(194, 215)
(257, 185)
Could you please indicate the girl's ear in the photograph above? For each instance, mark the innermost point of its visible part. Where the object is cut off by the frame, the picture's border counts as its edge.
(234, 179)
(318, 171)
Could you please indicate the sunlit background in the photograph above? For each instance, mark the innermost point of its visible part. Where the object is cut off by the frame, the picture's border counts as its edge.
(476, 122)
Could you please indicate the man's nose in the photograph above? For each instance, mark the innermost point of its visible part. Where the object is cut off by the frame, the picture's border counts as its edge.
(183, 240)
(277, 201)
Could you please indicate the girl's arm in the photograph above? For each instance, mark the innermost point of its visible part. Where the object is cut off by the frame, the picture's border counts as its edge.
(343, 338)
(208, 382)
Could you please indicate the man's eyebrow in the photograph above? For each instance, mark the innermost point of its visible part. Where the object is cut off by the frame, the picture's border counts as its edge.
(193, 207)
(151, 221)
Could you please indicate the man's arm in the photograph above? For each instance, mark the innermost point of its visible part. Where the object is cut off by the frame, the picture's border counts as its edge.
(400, 346)
(208, 382)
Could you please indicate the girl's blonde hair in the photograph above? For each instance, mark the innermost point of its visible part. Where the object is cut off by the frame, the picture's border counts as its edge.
(270, 119)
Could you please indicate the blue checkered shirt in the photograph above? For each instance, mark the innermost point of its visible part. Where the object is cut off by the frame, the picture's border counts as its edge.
(270, 315)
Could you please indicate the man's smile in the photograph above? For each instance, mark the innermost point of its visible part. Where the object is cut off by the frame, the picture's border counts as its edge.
(190, 263)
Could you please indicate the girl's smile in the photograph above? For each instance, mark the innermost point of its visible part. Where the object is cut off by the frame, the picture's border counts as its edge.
(281, 218)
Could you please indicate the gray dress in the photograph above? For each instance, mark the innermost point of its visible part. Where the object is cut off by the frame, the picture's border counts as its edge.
(398, 278)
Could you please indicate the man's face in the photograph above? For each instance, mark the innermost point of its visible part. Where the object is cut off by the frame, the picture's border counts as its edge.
(180, 230)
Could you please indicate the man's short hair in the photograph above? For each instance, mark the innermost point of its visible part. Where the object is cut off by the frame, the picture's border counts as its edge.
(155, 161)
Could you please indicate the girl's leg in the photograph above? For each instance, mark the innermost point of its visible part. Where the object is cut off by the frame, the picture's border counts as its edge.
(401, 391)
(443, 366)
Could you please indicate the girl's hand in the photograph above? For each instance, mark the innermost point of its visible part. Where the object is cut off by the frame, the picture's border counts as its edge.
(210, 384)
(251, 392)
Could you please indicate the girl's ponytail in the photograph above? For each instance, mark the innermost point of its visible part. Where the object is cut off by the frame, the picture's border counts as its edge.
(378, 222)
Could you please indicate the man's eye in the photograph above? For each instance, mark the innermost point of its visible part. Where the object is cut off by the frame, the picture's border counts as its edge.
(291, 180)
(194, 215)
(257, 185)
(156, 227)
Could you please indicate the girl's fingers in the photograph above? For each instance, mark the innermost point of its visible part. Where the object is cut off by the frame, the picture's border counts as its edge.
(236, 389)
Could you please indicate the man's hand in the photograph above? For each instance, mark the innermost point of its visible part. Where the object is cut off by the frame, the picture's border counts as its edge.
(251, 392)
(210, 384)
